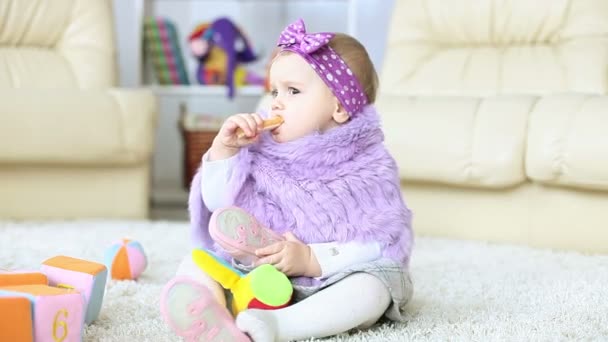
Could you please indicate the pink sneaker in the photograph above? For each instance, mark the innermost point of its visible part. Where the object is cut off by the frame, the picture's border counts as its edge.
(192, 312)
(240, 234)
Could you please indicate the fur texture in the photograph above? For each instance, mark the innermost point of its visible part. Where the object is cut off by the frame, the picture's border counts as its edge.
(341, 186)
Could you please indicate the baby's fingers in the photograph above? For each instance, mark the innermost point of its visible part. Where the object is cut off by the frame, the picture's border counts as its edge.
(259, 121)
(244, 126)
(229, 127)
(283, 268)
(270, 249)
(270, 259)
(251, 123)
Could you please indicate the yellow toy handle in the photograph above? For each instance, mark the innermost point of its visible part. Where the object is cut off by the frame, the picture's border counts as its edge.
(216, 268)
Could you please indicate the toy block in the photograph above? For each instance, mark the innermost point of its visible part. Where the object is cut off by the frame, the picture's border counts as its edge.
(41, 313)
(88, 277)
(16, 319)
(22, 277)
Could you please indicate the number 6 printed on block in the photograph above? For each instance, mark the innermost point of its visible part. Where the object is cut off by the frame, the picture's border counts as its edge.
(60, 323)
(42, 313)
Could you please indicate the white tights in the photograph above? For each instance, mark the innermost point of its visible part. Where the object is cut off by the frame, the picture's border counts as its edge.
(357, 301)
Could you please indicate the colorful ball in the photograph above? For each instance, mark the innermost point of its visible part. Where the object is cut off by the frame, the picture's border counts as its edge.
(125, 260)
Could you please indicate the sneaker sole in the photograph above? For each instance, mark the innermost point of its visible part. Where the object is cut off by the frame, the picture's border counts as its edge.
(192, 312)
(243, 253)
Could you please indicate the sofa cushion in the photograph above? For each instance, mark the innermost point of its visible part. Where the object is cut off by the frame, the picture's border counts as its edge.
(460, 141)
(472, 47)
(568, 141)
(73, 126)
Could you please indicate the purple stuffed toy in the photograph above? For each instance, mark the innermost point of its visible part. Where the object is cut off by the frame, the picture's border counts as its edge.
(220, 47)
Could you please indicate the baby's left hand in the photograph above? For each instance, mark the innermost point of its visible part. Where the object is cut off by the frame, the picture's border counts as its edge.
(292, 257)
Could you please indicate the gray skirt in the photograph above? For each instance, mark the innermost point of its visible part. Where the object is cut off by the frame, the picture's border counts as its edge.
(396, 279)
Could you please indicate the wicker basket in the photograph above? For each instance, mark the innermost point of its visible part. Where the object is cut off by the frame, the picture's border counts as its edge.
(198, 132)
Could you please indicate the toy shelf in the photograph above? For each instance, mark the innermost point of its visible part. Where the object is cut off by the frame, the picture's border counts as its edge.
(202, 90)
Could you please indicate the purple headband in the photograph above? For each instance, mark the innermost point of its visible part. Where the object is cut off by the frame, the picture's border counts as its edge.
(326, 62)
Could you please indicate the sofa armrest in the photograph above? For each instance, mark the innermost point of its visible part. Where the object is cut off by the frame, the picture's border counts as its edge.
(58, 126)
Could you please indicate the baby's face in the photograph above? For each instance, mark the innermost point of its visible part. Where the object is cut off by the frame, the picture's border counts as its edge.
(300, 97)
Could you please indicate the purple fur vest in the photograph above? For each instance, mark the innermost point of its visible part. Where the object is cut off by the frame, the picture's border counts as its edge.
(338, 186)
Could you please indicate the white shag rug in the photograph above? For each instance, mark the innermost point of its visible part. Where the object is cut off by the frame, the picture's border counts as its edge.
(464, 291)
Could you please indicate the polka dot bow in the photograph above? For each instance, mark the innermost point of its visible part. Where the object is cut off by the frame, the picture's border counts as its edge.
(326, 62)
(295, 36)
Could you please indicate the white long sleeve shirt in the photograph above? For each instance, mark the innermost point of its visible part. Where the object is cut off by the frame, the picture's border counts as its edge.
(216, 177)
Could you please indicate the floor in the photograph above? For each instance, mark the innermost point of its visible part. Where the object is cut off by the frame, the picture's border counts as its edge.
(464, 290)
(169, 212)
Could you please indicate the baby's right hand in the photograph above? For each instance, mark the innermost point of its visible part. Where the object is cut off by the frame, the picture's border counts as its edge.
(227, 143)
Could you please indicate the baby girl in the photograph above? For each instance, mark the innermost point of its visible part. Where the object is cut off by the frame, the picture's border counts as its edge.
(317, 196)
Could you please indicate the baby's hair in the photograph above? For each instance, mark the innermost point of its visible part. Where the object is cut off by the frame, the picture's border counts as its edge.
(357, 58)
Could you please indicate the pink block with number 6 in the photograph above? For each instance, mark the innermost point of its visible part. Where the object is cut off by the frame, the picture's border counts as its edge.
(58, 314)
(88, 277)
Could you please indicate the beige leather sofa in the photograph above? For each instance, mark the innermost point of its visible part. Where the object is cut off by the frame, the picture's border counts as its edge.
(71, 145)
(497, 115)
